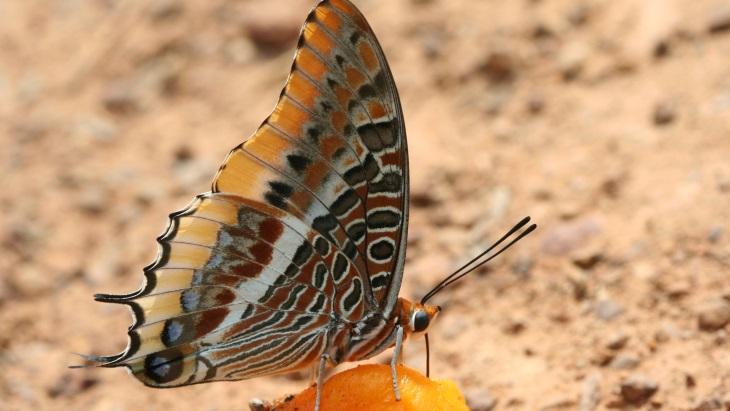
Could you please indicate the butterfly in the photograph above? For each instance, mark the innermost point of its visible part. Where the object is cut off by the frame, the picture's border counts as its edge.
(295, 258)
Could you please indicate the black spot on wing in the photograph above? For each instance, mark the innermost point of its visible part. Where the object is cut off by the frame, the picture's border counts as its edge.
(324, 225)
(355, 176)
(302, 255)
(367, 91)
(355, 37)
(381, 250)
(377, 136)
(282, 189)
(372, 169)
(354, 295)
(379, 281)
(383, 219)
(356, 231)
(293, 296)
(339, 268)
(389, 183)
(350, 250)
(322, 246)
(312, 135)
(318, 305)
(298, 162)
(320, 275)
(345, 202)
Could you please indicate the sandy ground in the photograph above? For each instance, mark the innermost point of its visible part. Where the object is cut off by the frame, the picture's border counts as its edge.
(606, 121)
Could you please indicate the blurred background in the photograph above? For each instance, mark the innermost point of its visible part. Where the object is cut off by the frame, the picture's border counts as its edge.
(606, 121)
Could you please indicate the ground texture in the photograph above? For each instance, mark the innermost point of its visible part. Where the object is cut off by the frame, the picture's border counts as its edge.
(608, 122)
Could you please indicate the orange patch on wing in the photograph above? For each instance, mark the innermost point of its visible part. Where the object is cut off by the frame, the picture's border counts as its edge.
(289, 113)
(197, 231)
(331, 20)
(355, 78)
(339, 120)
(222, 211)
(311, 64)
(329, 144)
(377, 111)
(244, 175)
(316, 172)
(369, 57)
(301, 89)
(270, 146)
(315, 37)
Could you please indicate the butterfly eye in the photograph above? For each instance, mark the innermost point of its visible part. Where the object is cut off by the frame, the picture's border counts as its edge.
(420, 321)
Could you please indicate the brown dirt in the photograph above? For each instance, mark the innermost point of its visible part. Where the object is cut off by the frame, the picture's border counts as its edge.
(606, 121)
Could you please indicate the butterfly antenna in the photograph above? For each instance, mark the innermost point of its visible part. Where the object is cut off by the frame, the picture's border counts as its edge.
(475, 263)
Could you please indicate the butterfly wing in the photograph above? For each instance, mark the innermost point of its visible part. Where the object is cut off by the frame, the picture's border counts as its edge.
(306, 222)
(334, 150)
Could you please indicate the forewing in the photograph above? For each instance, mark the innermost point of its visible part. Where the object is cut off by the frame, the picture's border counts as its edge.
(334, 152)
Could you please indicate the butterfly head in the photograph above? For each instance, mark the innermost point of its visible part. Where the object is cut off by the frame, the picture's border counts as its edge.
(420, 317)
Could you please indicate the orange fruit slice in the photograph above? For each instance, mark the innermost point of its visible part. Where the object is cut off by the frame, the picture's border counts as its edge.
(369, 387)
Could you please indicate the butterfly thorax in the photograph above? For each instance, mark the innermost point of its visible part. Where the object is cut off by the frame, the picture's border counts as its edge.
(376, 332)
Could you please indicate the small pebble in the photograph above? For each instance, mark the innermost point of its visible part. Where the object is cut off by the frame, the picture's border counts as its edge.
(535, 103)
(480, 399)
(665, 333)
(624, 362)
(590, 394)
(71, 384)
(715, 234)
(587, 257)
(559, 404)
(607, 310)
(617, 340)
(708, 405)
(678, 289)
(713, 314)
(514, 326)
(637, 389)
(119, 97)
(165, 9)
(271, 31)
(97, 128)
(565, 238)
(499, 66)
(661, 48)
(664, 112)
(718, 20)
(94, 200)
(572, 59)
(602, 357)
(257, 404)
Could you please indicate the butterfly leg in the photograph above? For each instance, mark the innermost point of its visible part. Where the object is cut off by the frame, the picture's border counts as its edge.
(396, 360)
(320, 376)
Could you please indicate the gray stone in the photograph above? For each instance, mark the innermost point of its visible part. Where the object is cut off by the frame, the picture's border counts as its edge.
(590, 394)
(480, 399)
(624, 362)
(607, 310)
